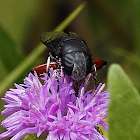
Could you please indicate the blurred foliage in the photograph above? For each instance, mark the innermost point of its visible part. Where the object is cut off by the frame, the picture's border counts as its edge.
(110, 28)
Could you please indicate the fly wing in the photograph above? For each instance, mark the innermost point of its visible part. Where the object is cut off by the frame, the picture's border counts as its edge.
(52, 39)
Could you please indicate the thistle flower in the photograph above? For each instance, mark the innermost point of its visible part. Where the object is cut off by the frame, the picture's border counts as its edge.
(51, 107)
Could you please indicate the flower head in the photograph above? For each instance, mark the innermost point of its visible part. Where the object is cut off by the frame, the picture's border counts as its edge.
(51, 107)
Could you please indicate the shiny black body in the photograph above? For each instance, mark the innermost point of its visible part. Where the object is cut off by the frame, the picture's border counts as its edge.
(72, 51)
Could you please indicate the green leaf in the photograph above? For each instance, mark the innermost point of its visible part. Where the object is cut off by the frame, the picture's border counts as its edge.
(124, 106)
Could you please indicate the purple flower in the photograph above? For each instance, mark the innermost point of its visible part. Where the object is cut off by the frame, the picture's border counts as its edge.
(51, 107)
